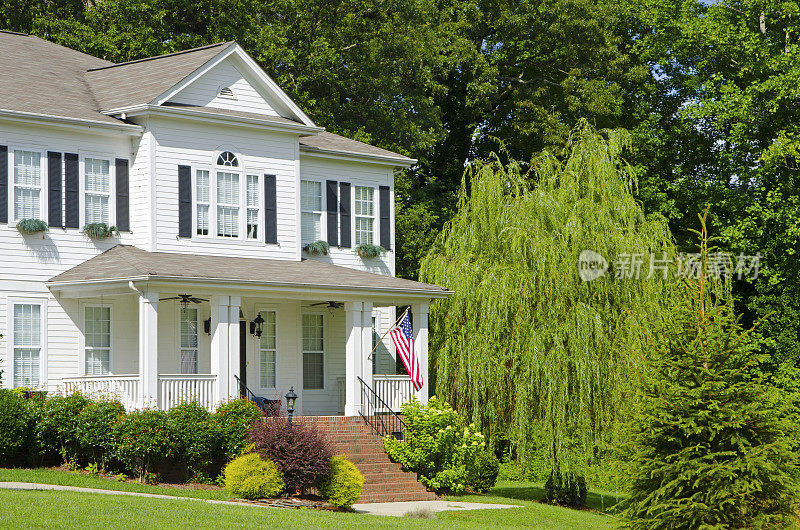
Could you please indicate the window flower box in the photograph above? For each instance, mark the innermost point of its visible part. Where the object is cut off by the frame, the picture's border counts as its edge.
(100, 230)
(317, 248)
(366, 251)
(32, 226)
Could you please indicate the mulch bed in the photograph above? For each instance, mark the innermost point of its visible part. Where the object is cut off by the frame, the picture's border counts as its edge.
(305, 501)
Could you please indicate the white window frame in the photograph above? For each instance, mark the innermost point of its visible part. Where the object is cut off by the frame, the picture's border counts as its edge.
(197, 324)
(355, 216)
(243, 172)
(259, 206)
(110, 337)
(323, 216)
(261, 385)
(43, 179)
(42, 302)
(324, 352)
(112, 185)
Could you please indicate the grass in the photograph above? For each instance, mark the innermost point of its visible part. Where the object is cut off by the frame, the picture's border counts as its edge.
(63, 509)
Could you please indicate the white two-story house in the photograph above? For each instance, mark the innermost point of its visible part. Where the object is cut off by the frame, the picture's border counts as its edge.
(216, 182)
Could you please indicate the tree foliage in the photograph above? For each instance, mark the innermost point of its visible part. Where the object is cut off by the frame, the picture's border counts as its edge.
(524, 345)
(711, 442)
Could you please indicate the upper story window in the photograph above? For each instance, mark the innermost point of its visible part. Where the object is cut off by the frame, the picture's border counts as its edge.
(97, 188)
(310, 211)
(364, 214)
(203, 194)
(227, 204)
(27, 185)
(228, 159)
(253, 209)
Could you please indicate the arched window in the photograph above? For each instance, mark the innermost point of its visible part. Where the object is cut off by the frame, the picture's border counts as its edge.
(228, 159)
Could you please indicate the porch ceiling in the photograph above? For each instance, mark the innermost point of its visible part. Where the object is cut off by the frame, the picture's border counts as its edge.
(125, 263)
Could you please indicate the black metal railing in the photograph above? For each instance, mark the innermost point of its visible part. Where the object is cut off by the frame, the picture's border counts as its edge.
(380, 416)
(270, 407)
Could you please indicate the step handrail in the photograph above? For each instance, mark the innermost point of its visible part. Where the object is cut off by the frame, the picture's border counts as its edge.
(266, 405)
(387, 422)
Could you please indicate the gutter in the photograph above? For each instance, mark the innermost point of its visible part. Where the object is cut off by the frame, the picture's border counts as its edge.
(83, 124)
(333, 153)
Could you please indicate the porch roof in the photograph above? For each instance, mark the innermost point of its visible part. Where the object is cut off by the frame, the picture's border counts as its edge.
(124, 263)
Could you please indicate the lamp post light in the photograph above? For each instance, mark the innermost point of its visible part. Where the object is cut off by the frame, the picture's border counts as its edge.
(291, 397)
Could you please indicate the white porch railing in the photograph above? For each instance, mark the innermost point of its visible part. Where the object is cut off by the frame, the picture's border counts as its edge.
(394, 390)
(125, 388)
(179, 388)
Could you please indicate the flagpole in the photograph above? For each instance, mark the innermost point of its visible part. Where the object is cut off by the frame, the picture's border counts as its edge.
(387, 332)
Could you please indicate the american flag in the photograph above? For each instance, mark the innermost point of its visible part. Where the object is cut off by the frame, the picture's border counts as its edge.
(403, 338)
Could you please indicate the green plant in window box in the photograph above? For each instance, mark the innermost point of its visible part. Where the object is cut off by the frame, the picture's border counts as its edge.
(32, 226)
(317, 248)
(100, 230)
(367, 250)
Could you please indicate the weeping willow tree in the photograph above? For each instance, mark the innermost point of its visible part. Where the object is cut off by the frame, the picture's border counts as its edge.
(524, 346)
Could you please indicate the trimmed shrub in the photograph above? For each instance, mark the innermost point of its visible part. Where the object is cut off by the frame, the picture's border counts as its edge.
(16, 429)
(57, 428)
(444, 447)
(95, 430)
(143, 440)
(235, 418)
(198, 439)
(342, 487)
(299, 451)
(482, 473)
(251, 477)
(565, 490)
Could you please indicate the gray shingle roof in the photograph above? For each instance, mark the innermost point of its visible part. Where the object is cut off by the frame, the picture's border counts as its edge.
(327, 141)
(41, 77)
(125, 261)
(140, 82)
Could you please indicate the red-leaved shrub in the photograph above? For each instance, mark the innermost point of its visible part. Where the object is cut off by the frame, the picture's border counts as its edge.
(301, 453)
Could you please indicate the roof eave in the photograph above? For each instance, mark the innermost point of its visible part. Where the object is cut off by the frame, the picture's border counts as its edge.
(188, 113)
(64, 121)
(400, 161)
(228, 284)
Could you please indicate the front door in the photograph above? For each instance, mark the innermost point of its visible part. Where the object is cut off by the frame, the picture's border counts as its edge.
(243, 356)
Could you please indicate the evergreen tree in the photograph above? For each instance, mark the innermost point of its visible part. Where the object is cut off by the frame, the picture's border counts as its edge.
(711, 450)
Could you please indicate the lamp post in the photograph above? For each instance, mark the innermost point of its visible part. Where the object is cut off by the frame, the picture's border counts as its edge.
(291, 397)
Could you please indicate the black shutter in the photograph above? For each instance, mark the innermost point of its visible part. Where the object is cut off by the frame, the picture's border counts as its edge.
(123, 195)
(332, 200)
(384, 198)
(3, 184)
(71, 186)
(344, 214)
(184, 201)
(54, 190)
(270, 209)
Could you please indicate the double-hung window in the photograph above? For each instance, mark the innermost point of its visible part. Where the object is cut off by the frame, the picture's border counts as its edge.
(227, 204)
(267, 351)
(313, 351)
(27, 344)
(252, 206)
(97, 188)
(27, 184)
(310, 211)
(365, 214)
(188, 340)
(97, 336)
(203, 193)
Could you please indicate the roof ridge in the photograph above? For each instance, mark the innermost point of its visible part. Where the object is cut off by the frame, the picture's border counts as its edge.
(155, 57)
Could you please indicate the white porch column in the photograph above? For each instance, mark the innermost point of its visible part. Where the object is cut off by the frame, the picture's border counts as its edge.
(366, 342)
(419, 313)
(220, 316)
(353, 357)
(148, 349)
(234, 333)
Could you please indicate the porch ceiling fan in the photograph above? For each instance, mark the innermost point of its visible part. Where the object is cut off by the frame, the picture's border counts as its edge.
(330, 304)
(185, 299)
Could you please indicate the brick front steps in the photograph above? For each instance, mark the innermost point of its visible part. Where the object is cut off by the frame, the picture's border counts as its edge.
(384, 481)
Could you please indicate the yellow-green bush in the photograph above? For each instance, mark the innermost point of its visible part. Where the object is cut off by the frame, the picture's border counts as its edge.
(251, 477)
(344, 484)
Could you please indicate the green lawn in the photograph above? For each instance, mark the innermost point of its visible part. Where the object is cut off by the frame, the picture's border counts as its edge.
(51, 509)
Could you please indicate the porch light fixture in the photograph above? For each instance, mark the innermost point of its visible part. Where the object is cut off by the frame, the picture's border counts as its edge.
(257, 326)
(207, 326)
(291, 397)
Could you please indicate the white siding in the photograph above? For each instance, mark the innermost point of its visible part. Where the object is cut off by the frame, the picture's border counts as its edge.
(358, 174)
(204, 91)
(182, 142)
